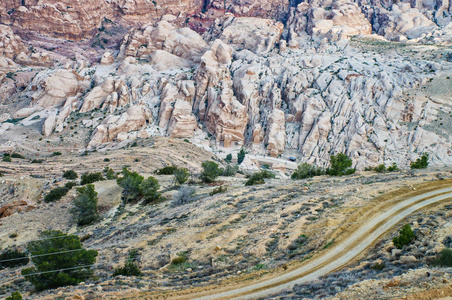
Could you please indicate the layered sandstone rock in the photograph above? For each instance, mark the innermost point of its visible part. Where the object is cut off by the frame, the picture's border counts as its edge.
(113, 127)
(16, 207)
(10, 44)
(181, 42)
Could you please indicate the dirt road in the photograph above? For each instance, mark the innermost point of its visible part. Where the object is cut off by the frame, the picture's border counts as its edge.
(339, 255)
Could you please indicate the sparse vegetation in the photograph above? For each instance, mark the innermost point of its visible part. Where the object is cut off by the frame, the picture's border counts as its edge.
(88, 178)
(210, 171)
(110, 174)
(70, 174)
(15, 296)
(241, 156)
(258, 178)
(130, 267)
(184, 195)
(307, 171)
(56, 194)
(84, 207)
(340, 164)
(405, 237)
(444, 258)
(181, 175)
(393, 168)
(52, 271)
(168, 170)
(218, 190)
(230, 170)
(380, 168)
(421, 162)
(13, 257)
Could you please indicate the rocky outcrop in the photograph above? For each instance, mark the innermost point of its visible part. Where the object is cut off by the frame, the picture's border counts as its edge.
(182, 42)
(257, 35)
(16, 207)
(119, 127)
(215, 103)
(10, 44)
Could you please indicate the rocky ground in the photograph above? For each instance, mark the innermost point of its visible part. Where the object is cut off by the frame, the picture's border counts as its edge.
(246, 231)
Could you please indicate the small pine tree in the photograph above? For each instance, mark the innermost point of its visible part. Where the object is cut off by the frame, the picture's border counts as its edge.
(241, 156)
(64, 268)
(15, 296)
(130, 182)
(307, 171)
(340, 164)
(211, 171)
(70, 174)
(228, 158)
(149, 190)
(421, 162)
(88, 178)
(181, 175)
(84, 207)
(406, 236)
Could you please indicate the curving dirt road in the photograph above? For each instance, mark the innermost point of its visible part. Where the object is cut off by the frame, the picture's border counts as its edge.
(339, 255)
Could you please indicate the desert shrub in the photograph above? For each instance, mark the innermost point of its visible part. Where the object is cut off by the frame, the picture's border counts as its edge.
(56, 153)
(17, 155)
(106, 159)
(15, 296)
(169, 170)
(340, 164)
(110, 174)
(228, 158)
(84, 207)
(406, 236)
(88, 178)
(148, 189)
(265, 166)
(37, 161)
(181, 175)
(178, 260)
(210, 171)
(184, 195)
(393, 168)
(378, 266)
(230, 170)
(241, 156)
(130, 182)
(130, 267)
(70, 174)
(56, 194)
(380, 168)
(444, 258)
(218, 190)
(6, 158)
(64, 268)
(258, 178)
(299, 242)
(307, 171)
(12, 257)
(70, 184)
(421, 162)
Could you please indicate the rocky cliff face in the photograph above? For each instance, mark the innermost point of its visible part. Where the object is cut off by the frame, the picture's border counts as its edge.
(358, 77)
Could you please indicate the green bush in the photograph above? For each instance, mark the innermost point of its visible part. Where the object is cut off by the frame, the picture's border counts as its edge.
(15, 296)
(421, 162)
(88, 178)
(84, 207)
(230, 170)
(340, 164)
(70, 184)
(130, 269)
(380, 168)
(11, 258)
(210, 171)
(56, 194)
(56, 270)
(37, 161)
(258, 178)
(178, 260)
(110, 174)
(130, 182)
(17, 155)
(169, 170)
(307, 171)
(241, 156)
(378, 266)
(56, 153)
(228, 158)
(406, 236)
(444, 259)
(184, 195)
(70, 174)
(181, 175)
(130, 266)
(148, 190)
(7, 158)
(393, 168)
(218, 190)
